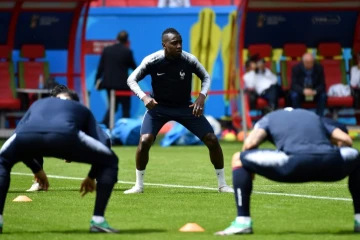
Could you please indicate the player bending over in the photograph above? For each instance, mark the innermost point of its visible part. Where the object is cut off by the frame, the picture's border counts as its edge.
(171, 72)
(61, 91)
(53, 127)
(304, 153)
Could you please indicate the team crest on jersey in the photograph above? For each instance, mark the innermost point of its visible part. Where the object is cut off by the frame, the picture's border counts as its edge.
(182, 74)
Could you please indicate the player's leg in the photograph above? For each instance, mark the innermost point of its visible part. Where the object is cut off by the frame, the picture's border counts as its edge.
(36, 186)
(125, 104)
(351, 157)
(203, 130)
(242, 182)
(151, 125)
(85, 149)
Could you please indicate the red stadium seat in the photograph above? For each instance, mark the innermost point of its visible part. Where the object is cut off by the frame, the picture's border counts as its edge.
(142, 3)
(221, 2)
(30, 71)
(294, 50)
(329, 50)
(116, 3)
(8, 99)
(205, 3)
(97, 3)
(263, 50)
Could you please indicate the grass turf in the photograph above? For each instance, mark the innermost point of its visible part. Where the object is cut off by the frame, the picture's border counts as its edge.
(61, 213)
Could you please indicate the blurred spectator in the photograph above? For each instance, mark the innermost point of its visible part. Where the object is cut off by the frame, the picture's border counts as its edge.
(264, 82)
(355, 73)
(308, 84)
(251, 63)
(112, 73)
(174, 3)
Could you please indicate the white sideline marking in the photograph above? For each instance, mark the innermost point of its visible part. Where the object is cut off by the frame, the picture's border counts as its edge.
(198, 187)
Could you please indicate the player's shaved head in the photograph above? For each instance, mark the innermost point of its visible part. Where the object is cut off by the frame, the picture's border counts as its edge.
(172, 43)
(308, 60)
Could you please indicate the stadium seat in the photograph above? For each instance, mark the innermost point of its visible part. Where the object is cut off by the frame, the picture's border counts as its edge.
(116, 3)
(205, 3)
(30, 71)
(142, 3)
(335, 72)
(97, 3)
(221, 2)
(263, 50)
(294, 51)
(8, 99)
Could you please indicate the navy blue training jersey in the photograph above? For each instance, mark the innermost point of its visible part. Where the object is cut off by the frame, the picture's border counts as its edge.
(55, 115)
(171, 79)
(297, 131)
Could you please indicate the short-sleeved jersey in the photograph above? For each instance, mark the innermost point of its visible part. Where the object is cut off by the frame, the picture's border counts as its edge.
(171, 79)
(55, 115)
(297, 131)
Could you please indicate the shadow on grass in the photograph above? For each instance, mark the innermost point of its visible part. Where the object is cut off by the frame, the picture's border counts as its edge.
(86, 231)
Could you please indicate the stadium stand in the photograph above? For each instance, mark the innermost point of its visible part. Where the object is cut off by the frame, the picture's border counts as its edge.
(153, 3)
(263, 51)
(8, 99)
(30, 71)
(335, 72)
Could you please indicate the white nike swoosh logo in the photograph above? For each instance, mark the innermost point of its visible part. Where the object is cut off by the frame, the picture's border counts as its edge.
(159, 74)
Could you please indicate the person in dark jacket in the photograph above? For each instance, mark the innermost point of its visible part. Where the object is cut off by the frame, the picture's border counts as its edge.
(308, 84)
(112, 73)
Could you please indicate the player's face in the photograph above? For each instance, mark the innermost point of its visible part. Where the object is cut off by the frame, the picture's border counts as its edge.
(173, 45)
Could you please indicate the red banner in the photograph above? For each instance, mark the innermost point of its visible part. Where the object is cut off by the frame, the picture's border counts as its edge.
(97, 46)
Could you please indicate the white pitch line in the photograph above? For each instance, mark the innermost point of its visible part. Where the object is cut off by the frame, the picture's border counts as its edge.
(199, 187)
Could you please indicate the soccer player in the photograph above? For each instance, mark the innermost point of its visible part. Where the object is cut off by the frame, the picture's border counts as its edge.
(304, 153)
(63, 92)
(171, 72)
(54, 127)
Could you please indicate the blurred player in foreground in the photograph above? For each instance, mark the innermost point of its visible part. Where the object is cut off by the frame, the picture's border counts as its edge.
(171, 72)
(54, 127)
(61, 91)
(304, 153)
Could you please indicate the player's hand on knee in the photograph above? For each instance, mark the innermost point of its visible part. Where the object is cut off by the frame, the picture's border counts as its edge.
(88, 185)
(198, 105)
(149, 102)
(42, 179)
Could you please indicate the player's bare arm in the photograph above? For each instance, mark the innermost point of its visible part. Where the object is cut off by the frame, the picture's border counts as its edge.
(256, 137)
(341, 138)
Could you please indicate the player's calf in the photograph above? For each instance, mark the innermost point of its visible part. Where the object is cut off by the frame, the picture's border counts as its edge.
(242, 181)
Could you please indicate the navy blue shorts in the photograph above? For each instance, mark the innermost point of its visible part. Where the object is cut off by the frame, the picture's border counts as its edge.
(278, 166)
(155, 119)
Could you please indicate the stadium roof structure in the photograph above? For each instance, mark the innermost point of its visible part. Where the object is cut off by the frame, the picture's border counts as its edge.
(310, 22)
(53, 23)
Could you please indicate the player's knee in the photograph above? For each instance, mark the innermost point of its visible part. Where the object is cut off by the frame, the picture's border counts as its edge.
(236, 161)
(146, 141)
(211, 140)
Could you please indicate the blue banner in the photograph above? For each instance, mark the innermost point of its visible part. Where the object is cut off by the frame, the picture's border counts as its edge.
(5, 18)
(311, 28)
(52, 29)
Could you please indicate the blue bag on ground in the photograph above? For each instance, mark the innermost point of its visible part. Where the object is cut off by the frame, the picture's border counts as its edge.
(179, 135)
(126, 131)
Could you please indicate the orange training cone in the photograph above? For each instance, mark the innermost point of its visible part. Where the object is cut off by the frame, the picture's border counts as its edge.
(22, 199)
(191, 227)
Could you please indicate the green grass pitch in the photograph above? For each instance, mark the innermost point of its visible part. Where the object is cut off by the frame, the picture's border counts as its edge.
(279, 211)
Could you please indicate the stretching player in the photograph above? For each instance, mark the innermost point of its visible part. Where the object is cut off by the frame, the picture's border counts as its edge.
(53, 127)
(304, 153)
(63, 92)
(171, 72)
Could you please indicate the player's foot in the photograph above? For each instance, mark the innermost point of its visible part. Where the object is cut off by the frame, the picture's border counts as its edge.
(226, 189)
(134, 189)
(102, 227)
(357, 227)
(1, 226)
(236, 228)
(35, 187)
